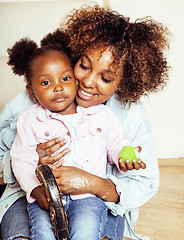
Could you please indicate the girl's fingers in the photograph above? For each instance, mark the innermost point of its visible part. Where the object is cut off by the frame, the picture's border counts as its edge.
(136, 164)
(123, 166)
(142, 164)
(129, 165)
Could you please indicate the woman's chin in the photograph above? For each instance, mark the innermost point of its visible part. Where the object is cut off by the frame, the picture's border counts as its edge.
(84, 103)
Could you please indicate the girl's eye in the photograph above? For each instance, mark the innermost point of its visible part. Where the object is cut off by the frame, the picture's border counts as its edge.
(105, 79)
(66, 79)
(46, 82)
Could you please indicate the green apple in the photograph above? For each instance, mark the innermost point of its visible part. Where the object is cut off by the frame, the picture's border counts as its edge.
(128, 152)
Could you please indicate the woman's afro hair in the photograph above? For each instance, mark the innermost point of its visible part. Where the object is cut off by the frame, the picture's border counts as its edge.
(137, 47)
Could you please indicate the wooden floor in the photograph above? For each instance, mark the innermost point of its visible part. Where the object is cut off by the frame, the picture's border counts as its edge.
(162, 218)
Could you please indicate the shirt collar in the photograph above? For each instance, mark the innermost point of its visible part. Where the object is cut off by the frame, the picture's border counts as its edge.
(43, 114)
(90, 110)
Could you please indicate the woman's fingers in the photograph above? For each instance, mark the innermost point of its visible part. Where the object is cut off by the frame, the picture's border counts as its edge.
(50, 147)
(45, 150)
(53, 159)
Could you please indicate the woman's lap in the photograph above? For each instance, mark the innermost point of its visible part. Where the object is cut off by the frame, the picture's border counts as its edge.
(15, 222)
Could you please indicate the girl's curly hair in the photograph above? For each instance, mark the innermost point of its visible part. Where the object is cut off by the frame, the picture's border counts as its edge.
(26, 50)
(137, 47)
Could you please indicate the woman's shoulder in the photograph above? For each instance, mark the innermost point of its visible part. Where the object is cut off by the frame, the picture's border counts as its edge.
(134, 110)
(19, 104)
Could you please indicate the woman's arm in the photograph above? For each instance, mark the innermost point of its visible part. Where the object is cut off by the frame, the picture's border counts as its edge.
(135, 187)
(8, 123)
(66, 176)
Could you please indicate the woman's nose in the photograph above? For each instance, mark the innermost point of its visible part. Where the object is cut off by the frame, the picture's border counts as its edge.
(89, 81)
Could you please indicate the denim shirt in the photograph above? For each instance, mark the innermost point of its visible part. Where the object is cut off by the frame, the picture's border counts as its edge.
(135, 188)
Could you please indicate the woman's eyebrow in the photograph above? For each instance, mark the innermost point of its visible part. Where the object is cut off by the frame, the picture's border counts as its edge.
(86, 56)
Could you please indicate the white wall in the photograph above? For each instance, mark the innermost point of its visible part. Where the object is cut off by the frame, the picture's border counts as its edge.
(165, 109)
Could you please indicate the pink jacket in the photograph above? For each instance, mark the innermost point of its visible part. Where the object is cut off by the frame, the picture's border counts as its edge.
(99, 135)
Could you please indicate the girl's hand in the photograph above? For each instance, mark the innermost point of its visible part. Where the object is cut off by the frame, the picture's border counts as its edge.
(46, 149)
(135, 165)
(39, 194)
(128, 166)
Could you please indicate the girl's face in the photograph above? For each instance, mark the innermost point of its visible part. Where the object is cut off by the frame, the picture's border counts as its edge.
(97, 79)
(53, 82)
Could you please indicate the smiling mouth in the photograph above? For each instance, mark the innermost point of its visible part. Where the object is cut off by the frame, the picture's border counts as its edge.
(85, 93)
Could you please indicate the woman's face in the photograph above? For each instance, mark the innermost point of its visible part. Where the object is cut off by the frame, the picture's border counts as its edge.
(97, 79)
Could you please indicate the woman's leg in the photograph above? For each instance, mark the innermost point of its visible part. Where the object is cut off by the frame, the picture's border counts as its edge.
(87, 218)
(114, 228)
(40, 223)
(15, 223)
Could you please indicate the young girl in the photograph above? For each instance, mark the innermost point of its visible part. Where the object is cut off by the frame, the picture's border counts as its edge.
(91, 134)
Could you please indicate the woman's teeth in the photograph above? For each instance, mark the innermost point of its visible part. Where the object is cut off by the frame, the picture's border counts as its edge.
(86, 94)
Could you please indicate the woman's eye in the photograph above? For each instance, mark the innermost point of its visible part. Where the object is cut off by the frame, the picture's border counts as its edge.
(83, 66)
(46, 82)
(106, 80)
(66, 79)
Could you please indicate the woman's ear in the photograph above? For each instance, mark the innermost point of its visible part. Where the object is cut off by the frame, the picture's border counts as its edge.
(30, 92)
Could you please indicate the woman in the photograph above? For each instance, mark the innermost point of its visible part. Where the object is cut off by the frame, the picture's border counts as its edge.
(116, 62)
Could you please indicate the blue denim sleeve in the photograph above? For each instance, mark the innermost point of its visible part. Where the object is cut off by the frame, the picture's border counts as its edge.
(8, 125)
(135, 187)
(7, 135)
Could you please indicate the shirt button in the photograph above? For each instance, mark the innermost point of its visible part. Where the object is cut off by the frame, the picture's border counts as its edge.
(151, 186)
(47, 133)
(99, 130)
(6, 205)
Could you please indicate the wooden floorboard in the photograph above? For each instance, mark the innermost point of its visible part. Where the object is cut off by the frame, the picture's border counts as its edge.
(162, 218)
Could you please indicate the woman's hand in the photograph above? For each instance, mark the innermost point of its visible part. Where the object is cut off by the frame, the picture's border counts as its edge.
(74, 181)
(46, 149)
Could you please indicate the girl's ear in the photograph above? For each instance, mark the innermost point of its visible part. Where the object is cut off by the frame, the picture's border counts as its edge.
(30, 92)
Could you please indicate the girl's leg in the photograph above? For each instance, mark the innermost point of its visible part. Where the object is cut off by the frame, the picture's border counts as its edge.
(114, 228)
(40, 223)
(87, 218)
(15, 223)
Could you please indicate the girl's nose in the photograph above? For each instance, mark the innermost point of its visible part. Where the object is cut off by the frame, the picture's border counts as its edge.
(58, 88)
